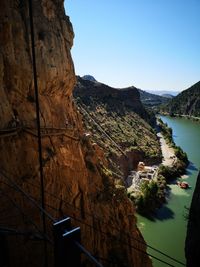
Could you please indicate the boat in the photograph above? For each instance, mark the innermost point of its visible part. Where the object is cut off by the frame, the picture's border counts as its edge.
(183, 185)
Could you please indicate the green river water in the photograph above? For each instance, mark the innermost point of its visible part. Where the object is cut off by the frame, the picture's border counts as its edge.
(168, 231)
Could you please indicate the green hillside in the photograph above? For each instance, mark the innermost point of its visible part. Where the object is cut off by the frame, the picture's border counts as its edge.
(118, 122)
(185, 103)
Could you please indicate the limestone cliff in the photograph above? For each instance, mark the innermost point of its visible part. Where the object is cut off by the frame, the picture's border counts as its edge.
(192, 245)
(76, 184)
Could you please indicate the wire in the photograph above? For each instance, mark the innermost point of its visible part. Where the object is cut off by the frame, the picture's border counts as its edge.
(107, 234)
(25, 215)
(131, 238)
(18, 188)
(101, 129)
(97, 218)
(38, 125)
(100, 219)
(34, 202)
(11, 231)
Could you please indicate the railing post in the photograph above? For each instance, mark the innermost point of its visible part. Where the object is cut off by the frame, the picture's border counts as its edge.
(66, 252)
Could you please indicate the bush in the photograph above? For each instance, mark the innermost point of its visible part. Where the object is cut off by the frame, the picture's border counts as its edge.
(180, 154)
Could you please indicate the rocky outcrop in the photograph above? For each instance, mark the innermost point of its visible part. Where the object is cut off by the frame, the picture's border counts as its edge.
(192, 244)
(76, 183)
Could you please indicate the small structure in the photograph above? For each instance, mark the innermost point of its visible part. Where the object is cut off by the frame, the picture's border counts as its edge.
(141, 166)
(183, 185)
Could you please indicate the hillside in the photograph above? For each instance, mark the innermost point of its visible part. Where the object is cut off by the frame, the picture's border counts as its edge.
(152, 100)
(118, 122)
(147, 98)
(185, 103)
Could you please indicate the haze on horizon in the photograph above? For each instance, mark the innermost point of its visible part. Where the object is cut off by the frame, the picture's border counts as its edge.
(153, 45)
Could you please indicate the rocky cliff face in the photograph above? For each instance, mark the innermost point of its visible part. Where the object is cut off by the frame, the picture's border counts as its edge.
(192, 245)
(76, 184)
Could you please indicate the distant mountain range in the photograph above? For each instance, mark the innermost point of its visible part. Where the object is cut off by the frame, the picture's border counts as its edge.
(163, 92)
(185, 103)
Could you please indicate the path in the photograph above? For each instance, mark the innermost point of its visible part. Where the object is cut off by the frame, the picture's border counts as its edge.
(168, 154)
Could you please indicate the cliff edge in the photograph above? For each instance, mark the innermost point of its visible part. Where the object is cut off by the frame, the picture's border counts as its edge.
(192, 244)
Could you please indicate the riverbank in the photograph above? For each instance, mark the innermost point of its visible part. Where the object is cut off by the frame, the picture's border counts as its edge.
(175, 115)
(168, 153)
(171, 217)
(176, 160)
(148, 184)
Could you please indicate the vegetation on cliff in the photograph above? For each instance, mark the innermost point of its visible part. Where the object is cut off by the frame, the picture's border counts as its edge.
(152, 100)
(118, 123)
(185, 103)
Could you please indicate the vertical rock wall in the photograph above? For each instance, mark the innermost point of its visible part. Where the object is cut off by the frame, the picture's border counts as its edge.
(192, 245)
(76, 183)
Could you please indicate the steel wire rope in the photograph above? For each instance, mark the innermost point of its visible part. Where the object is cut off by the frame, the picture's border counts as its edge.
(88, 254)
(81, 221)
(81, 107)
(131, 238)
(98, 218)
(18, 188)
(25, 215)
(37, 105)
(12, 231)
(129, 245)
(104, 132)
(98, 229)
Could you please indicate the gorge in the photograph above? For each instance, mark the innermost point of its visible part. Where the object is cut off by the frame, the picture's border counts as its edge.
(89, 145)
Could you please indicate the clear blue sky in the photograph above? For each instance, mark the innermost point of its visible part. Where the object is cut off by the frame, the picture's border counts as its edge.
(151, 44)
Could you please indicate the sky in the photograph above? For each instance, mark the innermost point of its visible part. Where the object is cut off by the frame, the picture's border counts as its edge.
(150, 44)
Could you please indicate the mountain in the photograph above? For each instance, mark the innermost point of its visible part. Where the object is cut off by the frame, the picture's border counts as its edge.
(185, 103)
(163, 92)
(168, 95)
(118, 122)
(152, 100)
(71, 177)
(89, 78)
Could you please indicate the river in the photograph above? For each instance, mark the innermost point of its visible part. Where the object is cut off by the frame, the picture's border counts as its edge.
(168, 231)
